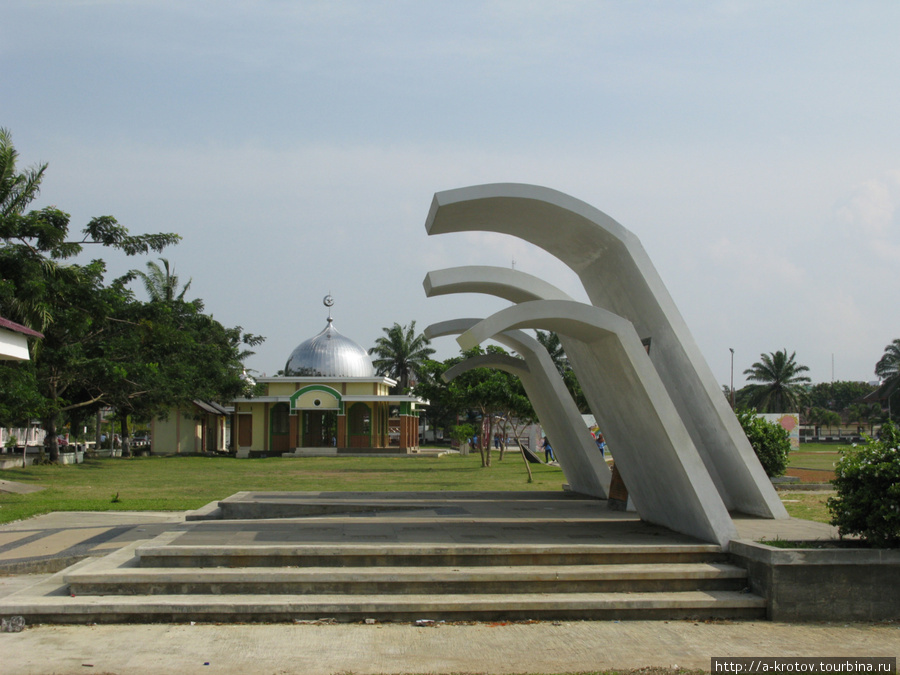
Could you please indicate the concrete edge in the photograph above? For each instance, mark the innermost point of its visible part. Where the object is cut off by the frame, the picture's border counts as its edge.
(772, 555)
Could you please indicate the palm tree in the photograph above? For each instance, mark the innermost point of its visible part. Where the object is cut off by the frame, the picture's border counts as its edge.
(780, 385)
(161, 283)
(17, 190)
(401, 354)
(551, 343)
(888, 369)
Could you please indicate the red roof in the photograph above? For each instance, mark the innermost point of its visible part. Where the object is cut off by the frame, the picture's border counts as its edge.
(18, 328)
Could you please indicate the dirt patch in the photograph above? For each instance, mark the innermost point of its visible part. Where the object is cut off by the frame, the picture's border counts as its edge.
(811, 475)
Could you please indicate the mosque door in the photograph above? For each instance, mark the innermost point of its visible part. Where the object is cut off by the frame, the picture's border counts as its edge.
(245, 431)
(319, 428)
(360, 422)
(280, 427)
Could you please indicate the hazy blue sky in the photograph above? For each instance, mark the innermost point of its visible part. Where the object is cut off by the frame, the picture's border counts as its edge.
(753, 147)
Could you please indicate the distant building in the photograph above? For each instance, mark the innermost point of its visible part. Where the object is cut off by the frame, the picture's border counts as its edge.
(199, 427)
(14, 340)
(328, 401)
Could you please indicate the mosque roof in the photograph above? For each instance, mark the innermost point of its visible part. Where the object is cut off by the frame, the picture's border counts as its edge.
(329, 354)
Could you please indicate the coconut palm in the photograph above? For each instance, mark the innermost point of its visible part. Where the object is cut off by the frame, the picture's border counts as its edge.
(888, 369)
(161, 283)
(17, 190)
(551, 343)
(401, 354)
(779, 384)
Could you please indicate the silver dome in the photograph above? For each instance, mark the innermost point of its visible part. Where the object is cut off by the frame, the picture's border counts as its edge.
(329, 354)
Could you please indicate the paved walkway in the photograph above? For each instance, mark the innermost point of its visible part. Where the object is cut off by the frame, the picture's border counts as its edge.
(558, 647)
(50, 541)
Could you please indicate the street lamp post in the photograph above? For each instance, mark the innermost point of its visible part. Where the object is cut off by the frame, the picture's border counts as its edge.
(732, 377)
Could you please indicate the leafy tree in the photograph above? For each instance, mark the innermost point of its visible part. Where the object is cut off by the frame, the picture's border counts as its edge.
(69, 303)
(167, 353)
(32, 244)
(401, 354)
(780, 384)
(492, 393)
(867, 484)
(770, 441)
(838, 395)
(444, 402)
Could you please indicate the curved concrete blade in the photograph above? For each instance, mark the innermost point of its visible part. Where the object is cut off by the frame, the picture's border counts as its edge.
(655, 454)
(619, 276)
(583, 466)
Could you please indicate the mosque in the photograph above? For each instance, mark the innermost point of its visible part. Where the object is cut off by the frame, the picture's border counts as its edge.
(328, 401)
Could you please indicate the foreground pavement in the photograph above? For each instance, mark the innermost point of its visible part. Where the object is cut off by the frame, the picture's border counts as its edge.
(557, 647)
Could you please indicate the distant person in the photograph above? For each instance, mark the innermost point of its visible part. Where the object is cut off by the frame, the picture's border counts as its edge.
(496, 441)
(601, 445)
(548, 451)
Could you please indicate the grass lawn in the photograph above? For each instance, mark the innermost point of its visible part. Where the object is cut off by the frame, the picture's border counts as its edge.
(181, 483)
(807, 505)
(816, 455)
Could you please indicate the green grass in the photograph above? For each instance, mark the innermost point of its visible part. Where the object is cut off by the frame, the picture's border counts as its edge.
(816, 455)
(181, 483)
(807, 505)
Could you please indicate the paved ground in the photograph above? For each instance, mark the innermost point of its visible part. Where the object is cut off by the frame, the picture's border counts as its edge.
(483, 648)
(49, 541)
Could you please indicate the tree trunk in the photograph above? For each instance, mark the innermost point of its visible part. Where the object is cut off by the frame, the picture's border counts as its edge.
(525, 459)
(489, 436)
(50, 438)
(99, 430)
(126, 438)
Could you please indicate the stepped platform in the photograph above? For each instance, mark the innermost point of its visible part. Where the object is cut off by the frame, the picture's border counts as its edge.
(399, 556)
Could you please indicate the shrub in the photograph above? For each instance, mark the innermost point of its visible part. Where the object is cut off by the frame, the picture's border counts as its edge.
(770, 441)
(867, 482)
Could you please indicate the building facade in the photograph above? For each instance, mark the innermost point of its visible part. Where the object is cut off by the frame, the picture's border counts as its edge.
(328, 401)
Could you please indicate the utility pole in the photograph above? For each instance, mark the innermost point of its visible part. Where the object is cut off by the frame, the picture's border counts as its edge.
(732, 377)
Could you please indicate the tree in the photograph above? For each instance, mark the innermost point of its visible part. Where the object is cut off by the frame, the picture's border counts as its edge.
(69, 303)
(838, 395)
(401, 354)
(780, 384)
(888, 369)
(770, 441)
(161, 283)
(166, 353)
(552, 344)
(867, 485)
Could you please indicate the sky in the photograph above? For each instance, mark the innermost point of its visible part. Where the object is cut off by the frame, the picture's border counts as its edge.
(752, 147)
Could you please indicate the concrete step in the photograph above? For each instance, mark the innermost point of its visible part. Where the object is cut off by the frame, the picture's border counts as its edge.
(418, 555)
(128, 580)
(52, 602)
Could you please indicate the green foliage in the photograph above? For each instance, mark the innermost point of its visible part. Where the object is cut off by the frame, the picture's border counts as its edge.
(101, 346)
(779, 384)
(401, 354)
(837, 395)
(462, 432)
(552, 344)
(867, 482)
(770, 441)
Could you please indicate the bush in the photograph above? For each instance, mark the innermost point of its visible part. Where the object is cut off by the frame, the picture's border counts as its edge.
(770, 441)
(867, 481)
